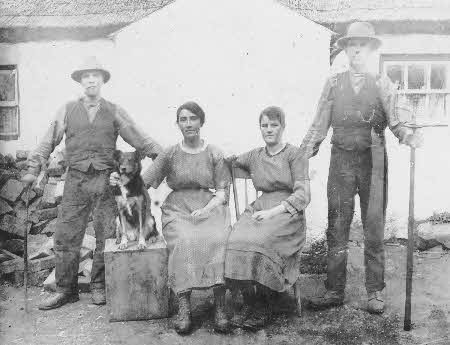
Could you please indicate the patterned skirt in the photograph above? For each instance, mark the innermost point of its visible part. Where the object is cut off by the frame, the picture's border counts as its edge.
(196, 244)
(267, 252)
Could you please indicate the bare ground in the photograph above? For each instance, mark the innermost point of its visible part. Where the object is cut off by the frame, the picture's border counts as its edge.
(83, 323)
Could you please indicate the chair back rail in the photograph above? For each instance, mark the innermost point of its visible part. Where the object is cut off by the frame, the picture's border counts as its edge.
(239, 173)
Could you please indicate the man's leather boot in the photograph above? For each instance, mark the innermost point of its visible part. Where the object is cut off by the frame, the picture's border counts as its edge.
(183, 323)
(58, 300)
(221, 323)
(375, 302)
(328, 300)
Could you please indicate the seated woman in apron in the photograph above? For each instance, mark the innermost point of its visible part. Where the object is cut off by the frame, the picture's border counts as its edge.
(265, 244)
(195, 221)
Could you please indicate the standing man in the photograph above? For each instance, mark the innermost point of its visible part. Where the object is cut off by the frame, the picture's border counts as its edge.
(91, 125)
(358, 106)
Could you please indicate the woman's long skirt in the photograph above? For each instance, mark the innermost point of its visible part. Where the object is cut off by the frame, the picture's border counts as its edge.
(267, 252)
(196, 244)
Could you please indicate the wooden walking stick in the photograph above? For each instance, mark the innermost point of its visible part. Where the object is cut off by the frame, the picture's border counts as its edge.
(411, 221)
(25, 248)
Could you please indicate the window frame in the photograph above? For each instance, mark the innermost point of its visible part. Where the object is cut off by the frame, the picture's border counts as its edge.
(12, 104)
(426, 59)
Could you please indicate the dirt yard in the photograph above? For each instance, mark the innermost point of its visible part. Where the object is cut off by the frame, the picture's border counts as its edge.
(83, 323)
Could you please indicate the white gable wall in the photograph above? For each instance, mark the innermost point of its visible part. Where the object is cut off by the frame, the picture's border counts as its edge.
(233, 57)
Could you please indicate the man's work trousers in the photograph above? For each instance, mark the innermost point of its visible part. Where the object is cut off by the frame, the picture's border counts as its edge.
(351, 173)
(84, 192)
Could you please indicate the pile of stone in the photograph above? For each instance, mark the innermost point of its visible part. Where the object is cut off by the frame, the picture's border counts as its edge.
(434, 232)
(38, 219)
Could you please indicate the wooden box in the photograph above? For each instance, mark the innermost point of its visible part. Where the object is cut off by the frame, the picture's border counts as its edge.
(136, 281)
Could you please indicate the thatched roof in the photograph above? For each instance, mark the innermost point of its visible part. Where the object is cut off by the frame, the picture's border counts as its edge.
(389, 15)
(82, 19)
(86, 19)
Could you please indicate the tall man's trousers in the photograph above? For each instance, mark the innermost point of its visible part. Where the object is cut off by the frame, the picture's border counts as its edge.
(351, 173)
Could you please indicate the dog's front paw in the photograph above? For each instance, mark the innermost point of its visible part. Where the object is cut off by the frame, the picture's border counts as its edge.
(123, 245)
(153, 239)
(141, 245)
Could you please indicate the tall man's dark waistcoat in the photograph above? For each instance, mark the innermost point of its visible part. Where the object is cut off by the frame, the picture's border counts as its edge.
(354, 115)
(90, 143)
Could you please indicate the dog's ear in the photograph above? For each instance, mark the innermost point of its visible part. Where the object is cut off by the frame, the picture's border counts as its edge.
(139, 154)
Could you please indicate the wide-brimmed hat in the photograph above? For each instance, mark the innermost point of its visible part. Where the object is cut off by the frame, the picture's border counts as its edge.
(360, 30)
(90, 64)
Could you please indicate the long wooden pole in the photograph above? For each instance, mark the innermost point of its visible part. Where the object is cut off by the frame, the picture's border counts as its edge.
(25, 249)
(411, 225)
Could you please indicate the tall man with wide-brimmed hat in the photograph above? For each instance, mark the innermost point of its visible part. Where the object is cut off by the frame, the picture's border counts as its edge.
(358, 106)
(91, 126)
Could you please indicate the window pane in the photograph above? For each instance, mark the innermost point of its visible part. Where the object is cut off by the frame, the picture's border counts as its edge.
(7, 86)
(438, 107)
(394, 72)
(417, 105)
(416, 76)
(438, 77)
(8, 120)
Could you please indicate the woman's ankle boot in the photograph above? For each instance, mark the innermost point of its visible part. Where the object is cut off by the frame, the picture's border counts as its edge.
(248, 294)
(183, 323)
(221, 323)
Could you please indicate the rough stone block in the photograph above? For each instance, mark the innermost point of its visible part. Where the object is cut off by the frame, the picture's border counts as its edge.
(14, 246)
(438, 232)
(7, 162)
(38, 227)
(86, 267)
(6, 175)
(44, 250)
(5, 208)
(22, 155)
(44, 214)
(31, 195)
(12, 190)
(85, 254)
(135, 289)
(12, 225)
(49, 197)
(89, 242)
(50, 229)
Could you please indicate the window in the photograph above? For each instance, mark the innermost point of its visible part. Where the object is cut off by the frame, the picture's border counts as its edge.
(9, 103)
(423, 83)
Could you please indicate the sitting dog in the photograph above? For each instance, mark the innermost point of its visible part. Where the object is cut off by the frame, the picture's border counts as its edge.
(135, 221)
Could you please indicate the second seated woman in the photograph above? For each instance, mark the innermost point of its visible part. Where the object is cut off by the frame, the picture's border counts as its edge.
(195, 221)
(264, 245)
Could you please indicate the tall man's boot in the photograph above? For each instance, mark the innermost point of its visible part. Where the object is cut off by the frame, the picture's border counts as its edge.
(328, 300)
(58, 300)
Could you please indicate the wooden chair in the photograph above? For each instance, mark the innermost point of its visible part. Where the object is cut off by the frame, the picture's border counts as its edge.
(238, 173)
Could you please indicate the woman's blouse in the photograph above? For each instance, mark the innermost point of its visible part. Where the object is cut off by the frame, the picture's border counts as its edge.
(184, 170)
(287, 170)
